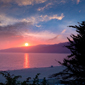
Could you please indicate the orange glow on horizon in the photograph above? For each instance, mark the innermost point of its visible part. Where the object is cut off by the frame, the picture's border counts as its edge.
(26, 61)
(31, 42)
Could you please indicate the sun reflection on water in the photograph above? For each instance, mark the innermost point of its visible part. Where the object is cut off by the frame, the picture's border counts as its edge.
(26, 61)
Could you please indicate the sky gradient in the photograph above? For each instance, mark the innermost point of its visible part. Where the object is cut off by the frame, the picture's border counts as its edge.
(38, 21)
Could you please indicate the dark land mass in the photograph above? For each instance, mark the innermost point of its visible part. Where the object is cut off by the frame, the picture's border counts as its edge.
(55, 48)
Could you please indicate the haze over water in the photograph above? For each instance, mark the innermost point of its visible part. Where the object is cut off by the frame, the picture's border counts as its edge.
(13, 61)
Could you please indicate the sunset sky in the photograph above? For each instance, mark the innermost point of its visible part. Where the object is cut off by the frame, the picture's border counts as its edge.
(38, 21)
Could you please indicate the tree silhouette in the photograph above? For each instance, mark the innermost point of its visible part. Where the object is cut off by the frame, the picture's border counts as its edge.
(10, 79)
(75, 62)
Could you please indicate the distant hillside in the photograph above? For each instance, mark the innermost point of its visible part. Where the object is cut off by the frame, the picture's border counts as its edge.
(55, 48)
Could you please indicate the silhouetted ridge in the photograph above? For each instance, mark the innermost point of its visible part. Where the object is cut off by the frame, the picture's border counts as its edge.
(55, 48)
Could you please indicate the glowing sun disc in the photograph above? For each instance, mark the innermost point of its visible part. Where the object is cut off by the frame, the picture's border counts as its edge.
(26, 44)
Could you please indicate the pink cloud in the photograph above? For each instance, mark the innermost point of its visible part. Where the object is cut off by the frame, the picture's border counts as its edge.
(78, 1)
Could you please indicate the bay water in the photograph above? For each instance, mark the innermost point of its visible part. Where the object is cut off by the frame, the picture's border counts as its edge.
(14, 61)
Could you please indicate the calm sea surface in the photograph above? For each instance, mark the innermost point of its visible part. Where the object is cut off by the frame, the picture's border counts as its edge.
(13, 61)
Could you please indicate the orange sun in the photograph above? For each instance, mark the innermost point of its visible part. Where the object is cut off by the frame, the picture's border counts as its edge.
(26, 44)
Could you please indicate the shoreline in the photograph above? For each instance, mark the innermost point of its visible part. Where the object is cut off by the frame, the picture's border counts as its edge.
(31, 72)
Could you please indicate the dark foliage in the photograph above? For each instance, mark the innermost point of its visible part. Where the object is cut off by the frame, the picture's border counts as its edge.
(44, 82)
(10, 79)
(13, 80)
(75, 62)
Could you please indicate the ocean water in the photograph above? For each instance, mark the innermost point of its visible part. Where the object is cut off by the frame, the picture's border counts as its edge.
(14, 61)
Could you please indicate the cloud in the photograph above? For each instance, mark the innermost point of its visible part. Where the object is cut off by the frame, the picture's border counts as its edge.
(63, 1)
(39, 35)
(29, 2)
(56, 37)
(78, 1)
(42, 8)
(57, 17)
(43, 18)
(47, 18)
(38, 25)
(79, 10)
(6, 20)
(63, 31)
(55, 2)
(24, 2)
(14, 30)
(32, 2)
(5, 1)
(43, 35)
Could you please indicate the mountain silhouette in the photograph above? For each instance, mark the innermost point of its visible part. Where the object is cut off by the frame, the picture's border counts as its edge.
(55, 48)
